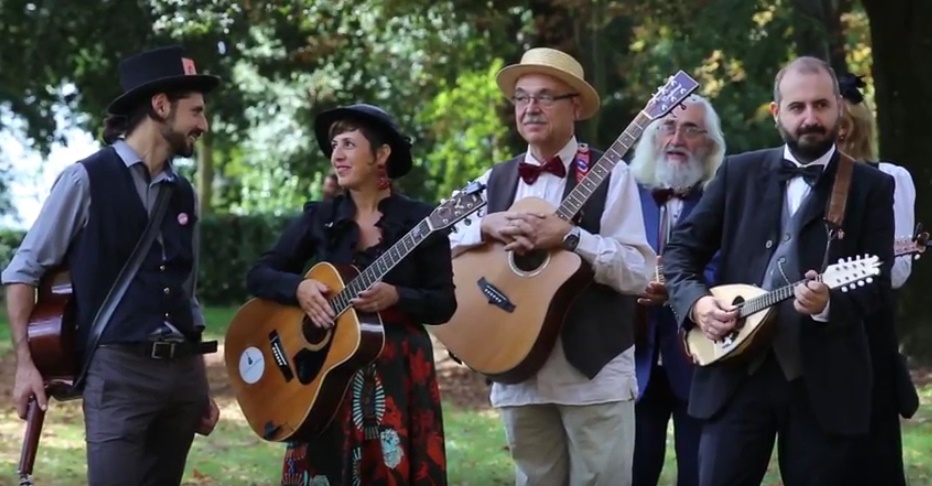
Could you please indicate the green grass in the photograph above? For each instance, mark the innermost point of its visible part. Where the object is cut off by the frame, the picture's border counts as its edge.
(477, 454)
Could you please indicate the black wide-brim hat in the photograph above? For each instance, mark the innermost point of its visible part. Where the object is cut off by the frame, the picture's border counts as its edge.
(399, 162)
(159, 70)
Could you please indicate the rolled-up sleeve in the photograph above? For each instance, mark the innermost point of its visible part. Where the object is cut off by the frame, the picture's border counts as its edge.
(61, 218)
(620, 256)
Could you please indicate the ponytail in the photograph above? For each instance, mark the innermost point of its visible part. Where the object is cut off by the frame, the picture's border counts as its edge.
(115, 126)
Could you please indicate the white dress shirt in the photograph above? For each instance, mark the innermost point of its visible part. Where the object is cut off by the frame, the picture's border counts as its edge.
(904, 214)
(796, 191)
(621, 259)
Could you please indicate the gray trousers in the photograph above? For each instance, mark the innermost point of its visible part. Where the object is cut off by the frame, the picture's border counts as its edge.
(140, 415)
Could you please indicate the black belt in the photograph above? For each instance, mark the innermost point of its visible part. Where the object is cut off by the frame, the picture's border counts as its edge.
(167, 349)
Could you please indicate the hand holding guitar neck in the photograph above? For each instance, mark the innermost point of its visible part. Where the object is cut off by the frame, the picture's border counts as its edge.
(28, 387)
(35, 416)
(656, 291)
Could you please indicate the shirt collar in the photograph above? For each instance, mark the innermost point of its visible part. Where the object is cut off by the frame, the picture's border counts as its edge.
(823, 160)
(566, 154)
(131, 158)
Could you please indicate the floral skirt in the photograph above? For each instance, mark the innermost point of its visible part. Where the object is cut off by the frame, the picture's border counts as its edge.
(389, 429)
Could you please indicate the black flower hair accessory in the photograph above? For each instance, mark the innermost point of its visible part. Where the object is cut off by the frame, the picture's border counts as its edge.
(848, 84)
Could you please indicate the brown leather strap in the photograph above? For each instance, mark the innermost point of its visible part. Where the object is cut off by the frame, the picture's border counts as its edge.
(835, 213)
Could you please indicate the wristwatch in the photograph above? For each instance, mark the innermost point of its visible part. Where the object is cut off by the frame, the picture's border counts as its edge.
(571, 239)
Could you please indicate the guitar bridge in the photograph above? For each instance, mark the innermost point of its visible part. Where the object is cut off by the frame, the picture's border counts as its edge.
(495, 296)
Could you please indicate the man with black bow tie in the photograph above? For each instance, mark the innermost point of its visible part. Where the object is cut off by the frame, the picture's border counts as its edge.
(572, 422)
(676, 158)
(764, 211)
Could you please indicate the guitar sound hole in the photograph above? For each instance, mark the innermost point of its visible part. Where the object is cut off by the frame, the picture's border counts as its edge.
(530, 261)
(737, 302)
(317, 337)
(310, 360)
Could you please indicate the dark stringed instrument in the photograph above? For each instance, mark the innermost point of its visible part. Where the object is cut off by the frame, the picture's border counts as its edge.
(50, 332)
(290, 376)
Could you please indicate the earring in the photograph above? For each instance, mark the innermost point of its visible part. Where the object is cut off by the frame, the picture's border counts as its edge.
(384, 181)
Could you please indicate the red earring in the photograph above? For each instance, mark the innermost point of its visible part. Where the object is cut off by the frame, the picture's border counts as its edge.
(384, 182)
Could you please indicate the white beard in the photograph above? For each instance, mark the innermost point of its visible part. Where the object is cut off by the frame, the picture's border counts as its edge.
(679, 175)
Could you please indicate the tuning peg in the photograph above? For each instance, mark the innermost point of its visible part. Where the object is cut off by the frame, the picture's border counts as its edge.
(453, 229)
(467, 221)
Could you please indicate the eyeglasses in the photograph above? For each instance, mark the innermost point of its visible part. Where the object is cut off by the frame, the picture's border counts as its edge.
(689, 131)
(523, 99)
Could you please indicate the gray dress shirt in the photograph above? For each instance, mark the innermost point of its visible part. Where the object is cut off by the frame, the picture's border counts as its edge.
(65, 213)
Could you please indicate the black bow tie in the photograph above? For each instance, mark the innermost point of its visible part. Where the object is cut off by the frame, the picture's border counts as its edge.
(661, 196)
(809, 173)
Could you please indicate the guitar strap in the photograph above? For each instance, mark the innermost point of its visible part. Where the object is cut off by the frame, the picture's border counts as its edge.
(126, 275)
(835, 211)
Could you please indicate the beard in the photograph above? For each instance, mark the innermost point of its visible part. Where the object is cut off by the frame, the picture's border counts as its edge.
(678, 174)
(809, 142)
(178, 142)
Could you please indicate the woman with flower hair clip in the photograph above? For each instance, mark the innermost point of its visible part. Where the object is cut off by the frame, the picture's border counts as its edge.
(880, 453)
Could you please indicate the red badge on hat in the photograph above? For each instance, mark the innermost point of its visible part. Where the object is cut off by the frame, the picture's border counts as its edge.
(182, 219)
(188, 66)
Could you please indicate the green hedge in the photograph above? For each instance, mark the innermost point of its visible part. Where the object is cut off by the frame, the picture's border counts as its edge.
(229, 245)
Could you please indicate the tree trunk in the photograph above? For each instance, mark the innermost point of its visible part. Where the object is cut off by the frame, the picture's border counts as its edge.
(819, 32)
(902, 71)
(205, 174)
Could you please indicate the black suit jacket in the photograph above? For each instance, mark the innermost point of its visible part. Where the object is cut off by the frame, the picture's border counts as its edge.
(739, 214)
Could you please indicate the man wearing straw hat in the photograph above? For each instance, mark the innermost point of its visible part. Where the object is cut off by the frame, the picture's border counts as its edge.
(572, 422)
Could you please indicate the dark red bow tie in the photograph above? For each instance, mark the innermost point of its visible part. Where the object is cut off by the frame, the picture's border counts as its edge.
(665, 194)
(530, 172)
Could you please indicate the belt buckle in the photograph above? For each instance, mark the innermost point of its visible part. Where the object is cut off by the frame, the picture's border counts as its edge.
(155, 354)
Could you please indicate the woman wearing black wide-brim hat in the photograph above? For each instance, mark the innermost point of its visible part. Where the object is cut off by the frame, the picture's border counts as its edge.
(389, 428)
(140, 363)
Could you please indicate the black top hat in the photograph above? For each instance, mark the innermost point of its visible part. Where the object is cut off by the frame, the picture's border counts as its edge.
(399, 162)
(150, 72)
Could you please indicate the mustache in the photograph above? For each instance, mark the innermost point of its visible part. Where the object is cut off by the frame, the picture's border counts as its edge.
(811, 129)
(533, 119)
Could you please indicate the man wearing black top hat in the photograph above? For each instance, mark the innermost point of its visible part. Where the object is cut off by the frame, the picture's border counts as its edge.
(144, 389)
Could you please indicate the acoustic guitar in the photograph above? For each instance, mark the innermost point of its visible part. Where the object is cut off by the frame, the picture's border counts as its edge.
(511, 307)
(50, 333)
(289, 375)
(755, 310)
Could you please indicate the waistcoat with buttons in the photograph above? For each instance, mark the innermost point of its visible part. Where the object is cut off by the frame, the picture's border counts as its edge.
(782, 270)
(116, 220)
(599, 324)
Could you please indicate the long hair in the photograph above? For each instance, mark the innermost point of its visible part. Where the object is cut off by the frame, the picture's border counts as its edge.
(647, 153)
(118, 126)
(857, 121)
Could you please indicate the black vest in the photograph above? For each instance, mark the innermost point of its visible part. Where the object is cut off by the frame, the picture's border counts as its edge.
(116, 220)
(599, 324)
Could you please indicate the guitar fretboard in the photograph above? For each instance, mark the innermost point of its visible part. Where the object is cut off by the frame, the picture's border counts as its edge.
(769, 299)
(381, 266)
(597, 173)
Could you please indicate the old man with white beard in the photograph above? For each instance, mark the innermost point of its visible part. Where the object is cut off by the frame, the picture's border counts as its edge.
(674, 161)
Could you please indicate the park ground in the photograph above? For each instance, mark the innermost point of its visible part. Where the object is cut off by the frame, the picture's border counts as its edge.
(233, 455)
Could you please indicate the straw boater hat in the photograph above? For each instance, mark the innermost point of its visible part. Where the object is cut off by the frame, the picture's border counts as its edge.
(543, 60)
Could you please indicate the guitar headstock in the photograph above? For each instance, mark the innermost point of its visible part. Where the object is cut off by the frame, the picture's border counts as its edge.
(915, 245)
(851, 273)
(463, 203)
(678, 88)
